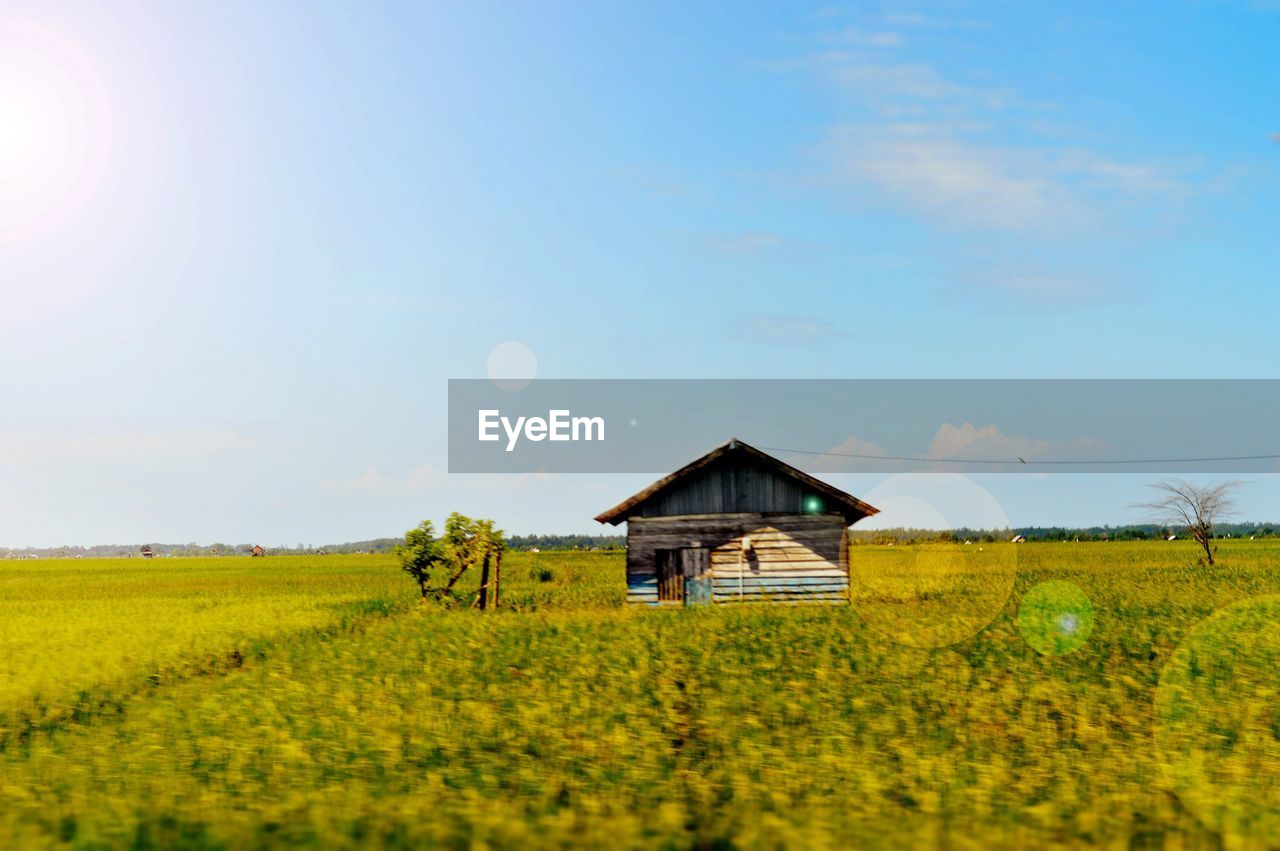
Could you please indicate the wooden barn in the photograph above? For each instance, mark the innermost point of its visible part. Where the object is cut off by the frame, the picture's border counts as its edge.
(737, 525)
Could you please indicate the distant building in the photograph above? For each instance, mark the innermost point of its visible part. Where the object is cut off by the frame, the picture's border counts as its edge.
(147, 552)
(257, 551)
(1019, 539)
(322, 552)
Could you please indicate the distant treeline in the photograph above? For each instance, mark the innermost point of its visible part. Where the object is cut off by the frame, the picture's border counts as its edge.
(1134, 532)
(1137, 532)
(375, 545)
(567, 542)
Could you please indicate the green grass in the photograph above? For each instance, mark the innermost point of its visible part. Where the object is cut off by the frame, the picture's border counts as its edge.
(568, 720)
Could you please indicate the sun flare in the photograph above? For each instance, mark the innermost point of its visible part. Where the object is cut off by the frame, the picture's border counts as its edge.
(23, 131)
(55, 129)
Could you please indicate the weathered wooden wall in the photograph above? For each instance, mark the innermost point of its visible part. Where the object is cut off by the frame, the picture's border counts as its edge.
(794, 557)
(733, 487)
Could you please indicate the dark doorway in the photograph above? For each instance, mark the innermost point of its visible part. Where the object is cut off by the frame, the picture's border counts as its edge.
(684, 575)
(670, 576)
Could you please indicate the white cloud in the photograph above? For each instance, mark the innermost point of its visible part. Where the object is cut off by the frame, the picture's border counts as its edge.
(989, 443)
(950, 178)
(956, 183)
(786, 328)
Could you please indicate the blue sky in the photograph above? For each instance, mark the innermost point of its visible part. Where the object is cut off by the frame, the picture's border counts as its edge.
(243, 246)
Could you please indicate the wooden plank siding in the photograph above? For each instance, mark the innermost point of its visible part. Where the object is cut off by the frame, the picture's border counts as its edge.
(793, 557)
(728, 488)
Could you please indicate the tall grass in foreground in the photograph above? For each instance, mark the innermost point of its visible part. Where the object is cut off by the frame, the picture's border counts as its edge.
(567, 720)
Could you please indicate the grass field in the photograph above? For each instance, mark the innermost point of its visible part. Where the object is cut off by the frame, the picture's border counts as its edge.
(248, 703)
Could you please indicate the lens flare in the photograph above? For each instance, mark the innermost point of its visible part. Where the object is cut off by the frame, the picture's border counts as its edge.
(1055, 618)
(55, 129)
(933, 594)
(512, 365)
(1217, 722)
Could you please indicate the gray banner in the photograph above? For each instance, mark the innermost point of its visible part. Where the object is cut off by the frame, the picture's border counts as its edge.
(869, 425)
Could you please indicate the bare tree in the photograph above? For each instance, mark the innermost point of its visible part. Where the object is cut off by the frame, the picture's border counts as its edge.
(1195, 508)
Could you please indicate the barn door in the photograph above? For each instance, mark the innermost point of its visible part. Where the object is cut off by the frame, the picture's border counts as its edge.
(670, 576)
(684, 575)
(695, 564)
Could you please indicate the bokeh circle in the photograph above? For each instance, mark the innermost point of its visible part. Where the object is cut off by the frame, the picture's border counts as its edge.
(512, 365)
(1055, 618)
(1217, 722)
(933, 594)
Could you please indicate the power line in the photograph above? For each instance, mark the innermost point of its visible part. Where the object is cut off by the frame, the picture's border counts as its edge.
(1018, 460)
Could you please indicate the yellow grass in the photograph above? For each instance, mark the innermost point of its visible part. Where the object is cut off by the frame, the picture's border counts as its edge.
(570, 720)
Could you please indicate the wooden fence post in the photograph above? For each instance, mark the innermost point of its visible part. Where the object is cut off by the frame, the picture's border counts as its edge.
(497, 576)
(484, 583)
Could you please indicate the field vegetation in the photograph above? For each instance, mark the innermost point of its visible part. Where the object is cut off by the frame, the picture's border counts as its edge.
(253, 703)
(76, 635)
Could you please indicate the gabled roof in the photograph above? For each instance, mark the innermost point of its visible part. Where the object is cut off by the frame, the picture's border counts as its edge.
(853, 508)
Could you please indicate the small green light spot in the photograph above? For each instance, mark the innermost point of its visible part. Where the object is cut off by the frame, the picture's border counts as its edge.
(812, 505)
(1055, 618)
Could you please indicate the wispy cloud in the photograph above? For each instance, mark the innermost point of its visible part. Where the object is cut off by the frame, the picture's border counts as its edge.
(940, 175)
(954, 182)
(863, 38)
(887, 85)
(1056, 282)
(1009, 194)
(659, 183)
(740, 242)
(936, 22)
(793, 330)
